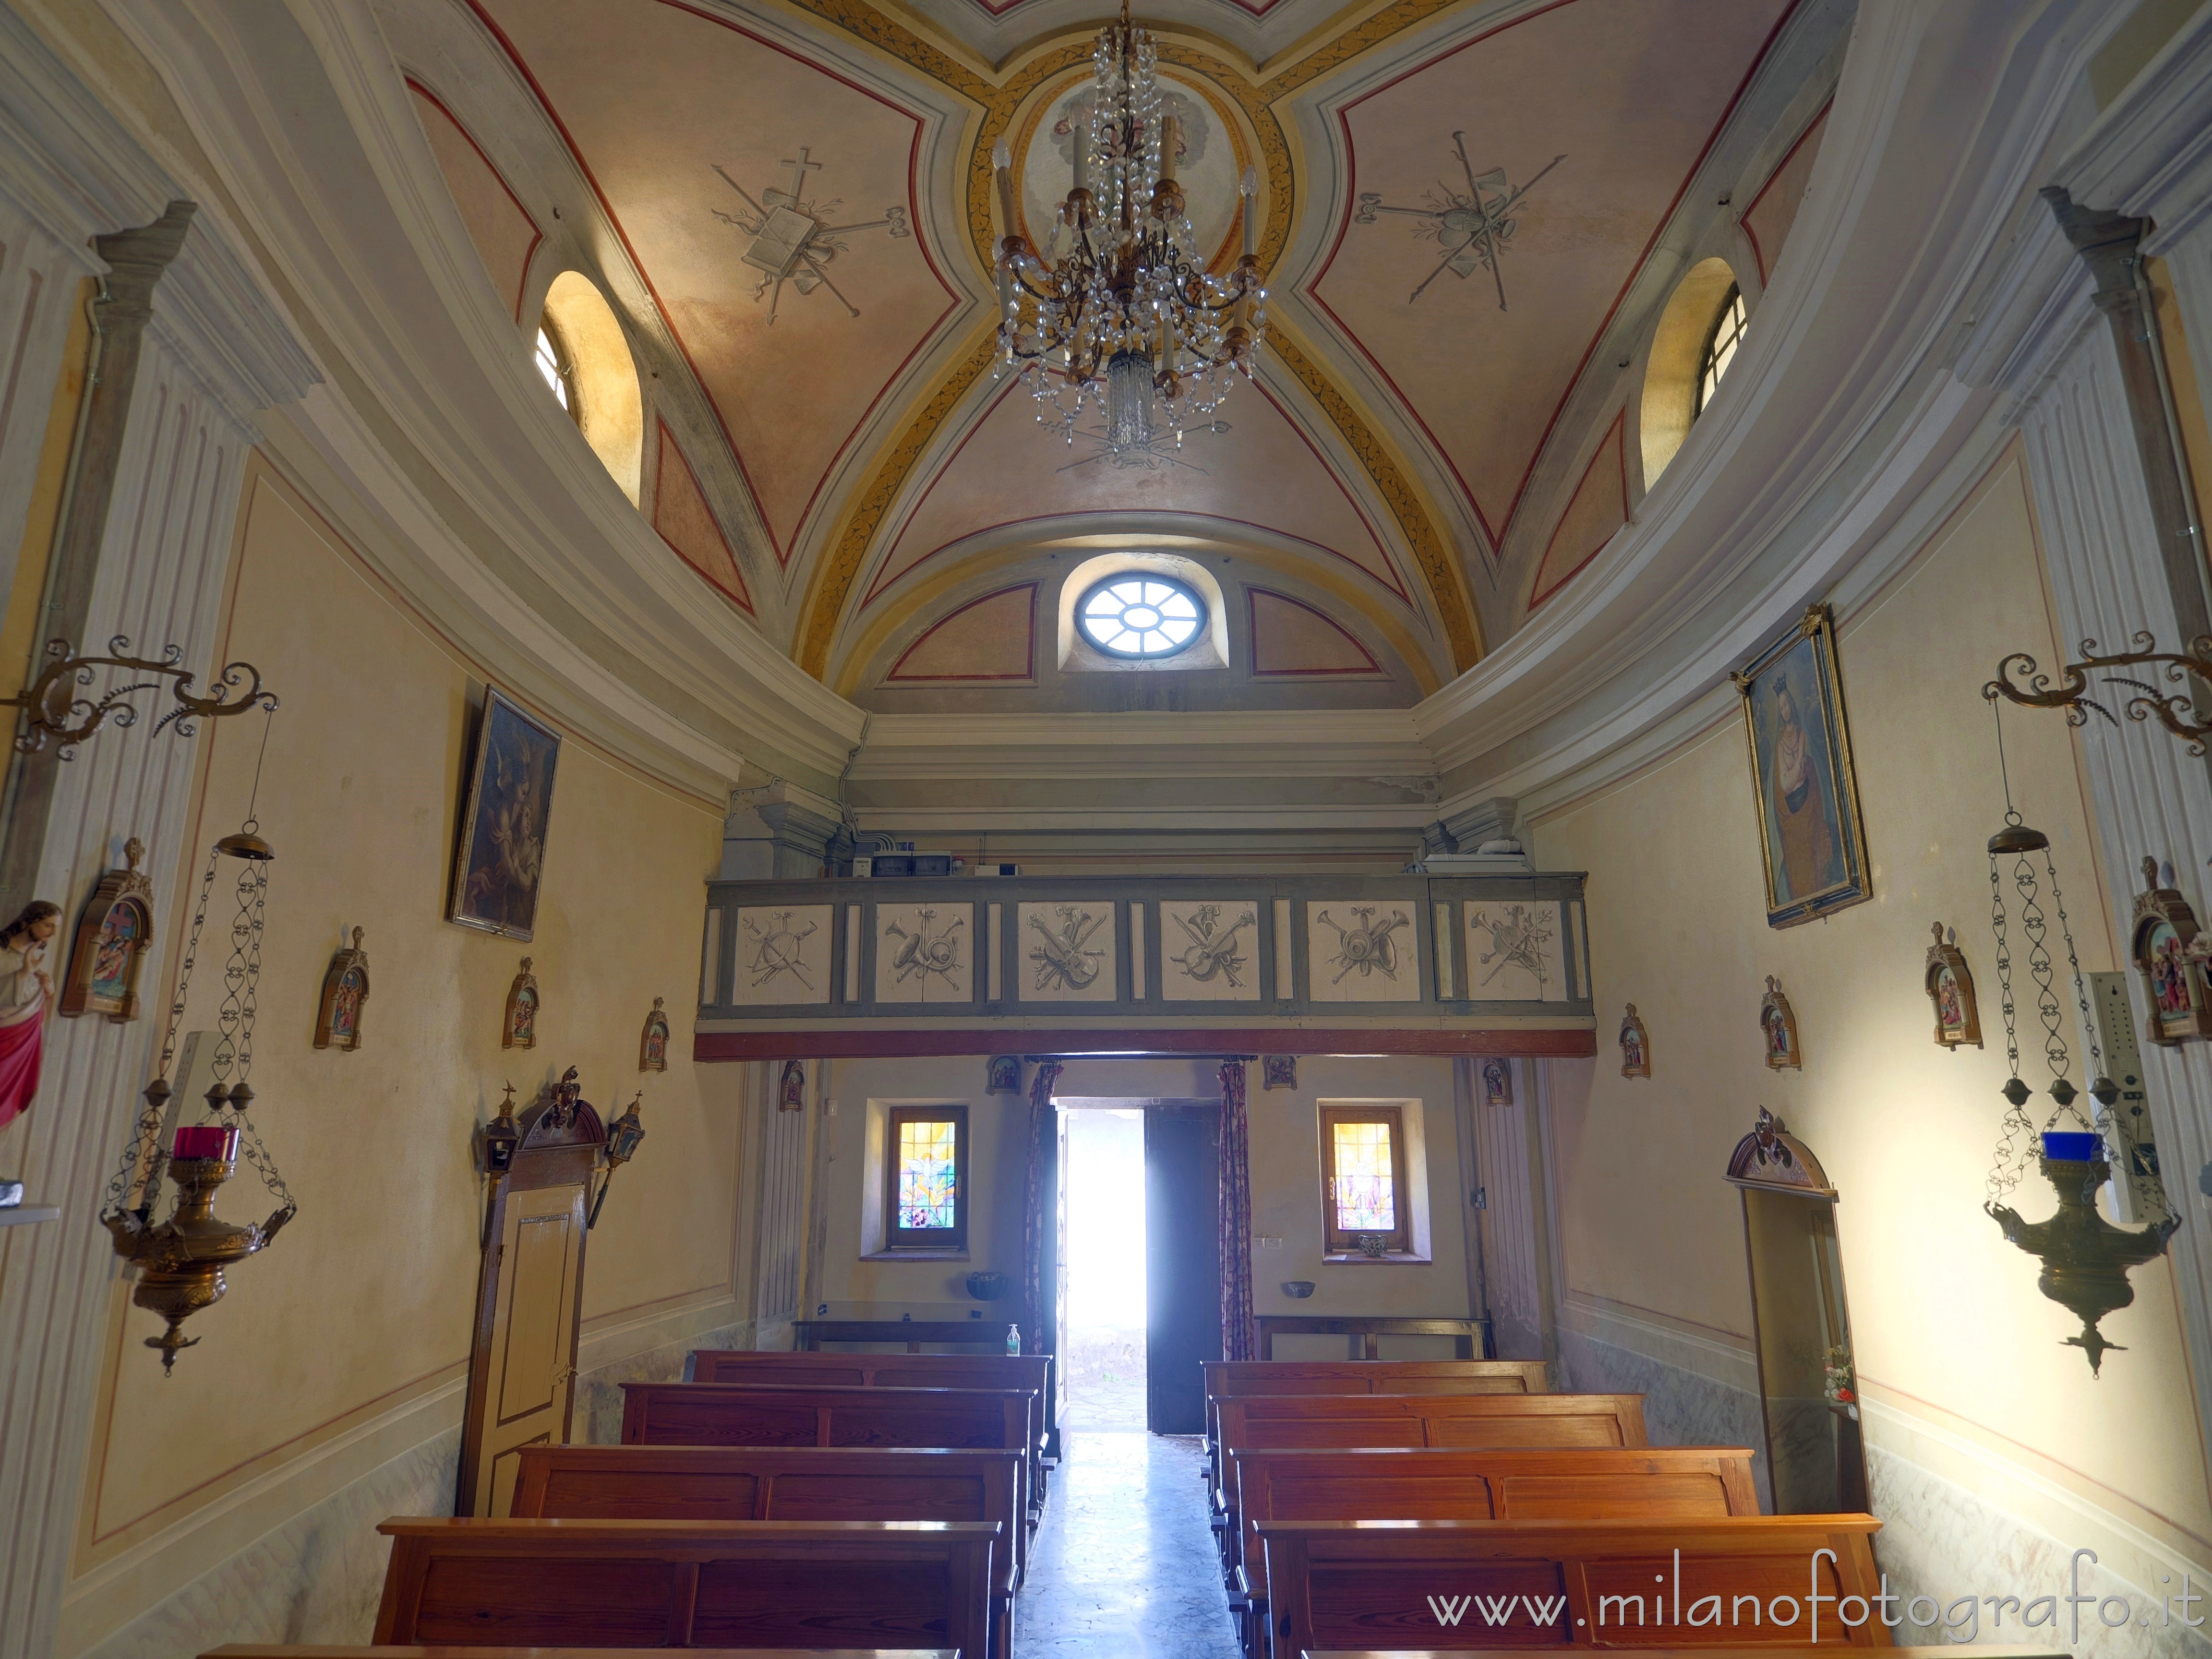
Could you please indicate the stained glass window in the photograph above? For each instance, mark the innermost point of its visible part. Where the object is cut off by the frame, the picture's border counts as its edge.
(1363, 1192)
(925, 1203)
(1366, 1187)
(928, 1175)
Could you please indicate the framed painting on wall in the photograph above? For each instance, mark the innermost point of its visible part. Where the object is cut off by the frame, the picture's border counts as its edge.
(509, 808)
(1811, 840)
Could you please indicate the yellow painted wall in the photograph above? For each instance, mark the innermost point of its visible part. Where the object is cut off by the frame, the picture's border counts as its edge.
(1284, 1166)
(1949, 1325)
(368, 1296)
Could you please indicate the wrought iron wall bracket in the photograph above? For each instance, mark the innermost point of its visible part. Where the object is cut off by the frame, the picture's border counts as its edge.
(54, 713)
(2019, 681)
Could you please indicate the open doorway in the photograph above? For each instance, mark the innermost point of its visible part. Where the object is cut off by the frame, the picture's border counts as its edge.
(1101, 1331)
(1140, 1261)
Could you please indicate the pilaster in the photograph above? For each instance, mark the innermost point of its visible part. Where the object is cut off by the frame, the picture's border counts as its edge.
(213, 349)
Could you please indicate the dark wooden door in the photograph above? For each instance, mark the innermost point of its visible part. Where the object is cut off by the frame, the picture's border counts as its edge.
(1182, 1263)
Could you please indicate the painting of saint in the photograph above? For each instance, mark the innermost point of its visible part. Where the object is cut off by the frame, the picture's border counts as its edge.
(522, 1020)
(510, 805)
(345, 1007)
(2169, 977)
(1950, 1010)
(1811, 843)
(111, 957)
(1497, 1083)
(1635, 1046)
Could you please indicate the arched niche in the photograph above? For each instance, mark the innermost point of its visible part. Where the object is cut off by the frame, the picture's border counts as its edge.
(1670, 374)
(610, 409)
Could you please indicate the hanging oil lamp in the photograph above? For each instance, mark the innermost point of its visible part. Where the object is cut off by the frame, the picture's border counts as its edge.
(2085, 1258)
(179, 1260)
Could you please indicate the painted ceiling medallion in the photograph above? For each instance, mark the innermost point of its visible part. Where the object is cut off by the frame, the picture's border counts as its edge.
(792, 242)
(1118, 312)
(1473, 230)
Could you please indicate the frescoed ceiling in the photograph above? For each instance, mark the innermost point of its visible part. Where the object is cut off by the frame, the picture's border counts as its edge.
(1468, 211)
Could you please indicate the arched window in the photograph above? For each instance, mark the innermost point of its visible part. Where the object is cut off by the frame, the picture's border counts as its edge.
(1721, 342)
(1140, 615)
(581, 350)
(555, 365)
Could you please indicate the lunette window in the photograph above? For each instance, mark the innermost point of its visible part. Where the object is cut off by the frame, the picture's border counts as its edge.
(1363, 1166)
(554, 364)
(1140, 615)
(1720, 348)
(926, 1178)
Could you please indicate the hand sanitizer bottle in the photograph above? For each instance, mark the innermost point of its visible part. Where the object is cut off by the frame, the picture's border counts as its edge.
(1013, 1339)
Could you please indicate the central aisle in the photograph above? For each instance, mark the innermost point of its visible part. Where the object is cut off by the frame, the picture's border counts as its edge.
(1122, 1566)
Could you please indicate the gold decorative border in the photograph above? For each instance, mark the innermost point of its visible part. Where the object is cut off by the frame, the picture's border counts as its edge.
(831, 584)
(836, 572)
(1446, 577)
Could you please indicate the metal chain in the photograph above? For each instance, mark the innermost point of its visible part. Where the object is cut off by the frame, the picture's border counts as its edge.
(2007, 1165)
(146, 1134)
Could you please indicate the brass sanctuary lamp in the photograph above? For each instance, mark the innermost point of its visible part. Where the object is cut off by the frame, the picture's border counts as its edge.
(180, 1259)
(2085, 1258)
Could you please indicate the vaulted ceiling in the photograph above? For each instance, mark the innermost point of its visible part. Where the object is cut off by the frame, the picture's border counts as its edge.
(789, 206)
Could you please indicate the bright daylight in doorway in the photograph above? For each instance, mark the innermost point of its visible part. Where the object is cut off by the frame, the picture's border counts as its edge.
(1104, 1341)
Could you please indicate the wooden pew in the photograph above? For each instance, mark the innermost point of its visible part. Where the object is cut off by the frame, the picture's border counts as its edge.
(1439, 1422)
(746, 1367)
(1245, 1378)
(1780, 1650)
(1582, 1483)
(1296, 1422)
(295, 1650)
(1595, 1583)
(718, 1414)
(784, 1483)
(744, 1584)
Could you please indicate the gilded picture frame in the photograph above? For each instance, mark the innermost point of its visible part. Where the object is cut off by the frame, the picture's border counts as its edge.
(1778, 1030)
(499, 867)
(1635, 1045)
(344, 999)
(1949, 983)
(113, 935)
(1812, 839)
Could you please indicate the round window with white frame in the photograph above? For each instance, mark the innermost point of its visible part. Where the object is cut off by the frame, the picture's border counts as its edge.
(1139, 615)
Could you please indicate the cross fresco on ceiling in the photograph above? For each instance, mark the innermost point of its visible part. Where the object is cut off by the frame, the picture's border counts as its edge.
(792, 242)
(1474, 228)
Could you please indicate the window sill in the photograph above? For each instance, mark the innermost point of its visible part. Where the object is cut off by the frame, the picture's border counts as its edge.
(915, 1256)
(1387, 1258)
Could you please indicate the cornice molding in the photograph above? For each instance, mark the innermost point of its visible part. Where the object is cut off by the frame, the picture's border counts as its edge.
(1842, 411)
(2148, 154)
(1307, 743)
(501, 517)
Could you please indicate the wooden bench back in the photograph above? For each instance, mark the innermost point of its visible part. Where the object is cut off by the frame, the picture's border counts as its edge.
(715, 1414)
(744, 1368)
(1568, 1584)
(312, 1651)
(691, 1583)
(1582, 1483)
(1296, 1422)
(775, 1483)
(865, 1370)
(1225, 1377)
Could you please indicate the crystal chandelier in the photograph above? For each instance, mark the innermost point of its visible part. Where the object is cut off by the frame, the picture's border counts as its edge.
(1118, 313)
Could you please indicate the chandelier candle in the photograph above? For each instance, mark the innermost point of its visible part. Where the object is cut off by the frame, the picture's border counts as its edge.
(1117, 315)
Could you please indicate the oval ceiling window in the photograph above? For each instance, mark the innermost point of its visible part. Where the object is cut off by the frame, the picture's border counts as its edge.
(1138, 613)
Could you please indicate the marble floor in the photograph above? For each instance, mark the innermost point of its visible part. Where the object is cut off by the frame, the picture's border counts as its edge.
(1122, 1566)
